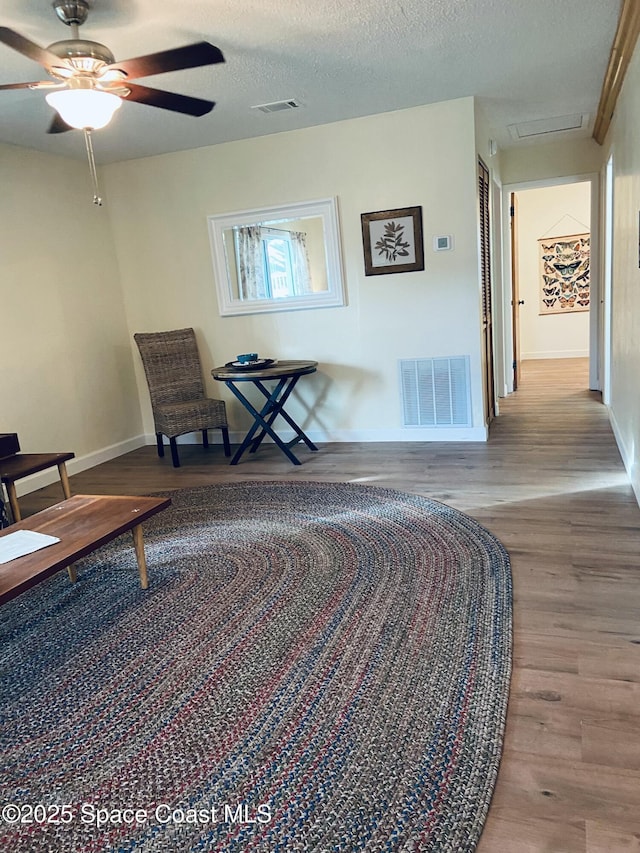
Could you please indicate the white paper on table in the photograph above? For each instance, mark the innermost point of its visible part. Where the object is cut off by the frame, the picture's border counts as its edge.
(22, 542)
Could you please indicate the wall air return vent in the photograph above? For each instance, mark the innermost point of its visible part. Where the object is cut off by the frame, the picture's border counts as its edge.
(435, 392)
(278, 106)
(546, 126)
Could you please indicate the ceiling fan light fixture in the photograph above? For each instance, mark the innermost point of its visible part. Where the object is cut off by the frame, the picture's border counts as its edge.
(84, 108)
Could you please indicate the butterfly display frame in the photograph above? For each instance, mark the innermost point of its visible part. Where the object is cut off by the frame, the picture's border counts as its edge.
(565, 273)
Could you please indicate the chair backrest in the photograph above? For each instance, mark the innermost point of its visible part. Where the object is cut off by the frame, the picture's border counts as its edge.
(172, 365)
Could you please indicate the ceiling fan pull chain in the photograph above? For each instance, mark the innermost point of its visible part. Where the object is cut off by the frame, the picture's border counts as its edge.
(92, 167)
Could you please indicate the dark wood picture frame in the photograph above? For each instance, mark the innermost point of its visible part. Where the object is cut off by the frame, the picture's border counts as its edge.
(388, 241)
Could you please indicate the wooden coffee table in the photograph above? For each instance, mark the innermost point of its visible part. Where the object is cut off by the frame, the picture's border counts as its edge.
(82, 523)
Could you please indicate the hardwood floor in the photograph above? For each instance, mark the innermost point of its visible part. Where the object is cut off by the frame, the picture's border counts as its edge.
(550, 484)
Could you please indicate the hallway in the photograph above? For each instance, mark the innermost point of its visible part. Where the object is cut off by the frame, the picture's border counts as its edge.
(570, 778)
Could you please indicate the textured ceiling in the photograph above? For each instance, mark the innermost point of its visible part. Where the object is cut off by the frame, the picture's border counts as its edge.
(524, 60)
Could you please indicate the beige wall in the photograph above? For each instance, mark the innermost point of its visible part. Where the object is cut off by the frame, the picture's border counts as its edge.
(624, 141)
(423, 156)
(538, 162)
(67, 380)
(549, 212)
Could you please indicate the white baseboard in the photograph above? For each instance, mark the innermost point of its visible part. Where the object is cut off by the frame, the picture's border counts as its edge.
(631, 466)
(350, 435)
(566, 353)
(399, 434)
(346, 435)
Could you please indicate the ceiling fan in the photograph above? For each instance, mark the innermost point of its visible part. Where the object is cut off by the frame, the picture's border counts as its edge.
(89, 85)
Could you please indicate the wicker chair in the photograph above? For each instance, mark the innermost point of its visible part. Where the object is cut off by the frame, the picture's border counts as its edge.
(174, 376)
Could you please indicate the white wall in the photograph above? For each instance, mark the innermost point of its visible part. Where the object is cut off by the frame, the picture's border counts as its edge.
(624, 140)
(553, 211)
(67, 380)
(423, 156)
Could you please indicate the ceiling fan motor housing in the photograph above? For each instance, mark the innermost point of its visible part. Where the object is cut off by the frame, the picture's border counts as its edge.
(83, 55)
(81, 49)
(71, 13)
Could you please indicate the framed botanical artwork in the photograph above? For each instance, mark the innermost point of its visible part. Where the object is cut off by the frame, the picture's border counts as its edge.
(564, 274)
(392, 241)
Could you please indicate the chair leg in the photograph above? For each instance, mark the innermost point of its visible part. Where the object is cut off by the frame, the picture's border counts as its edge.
(205, 438)
(160, 444)
(174, 453)
(225, 440)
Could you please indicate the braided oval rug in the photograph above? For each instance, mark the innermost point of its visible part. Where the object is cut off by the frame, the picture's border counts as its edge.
(315, 667)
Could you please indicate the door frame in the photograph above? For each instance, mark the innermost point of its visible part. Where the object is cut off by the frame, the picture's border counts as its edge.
(608, 199)
(515, 289)
(595, 379)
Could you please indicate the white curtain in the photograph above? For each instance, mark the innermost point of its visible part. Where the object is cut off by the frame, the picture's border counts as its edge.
(300, 263)
(252, 275)
(250, 263)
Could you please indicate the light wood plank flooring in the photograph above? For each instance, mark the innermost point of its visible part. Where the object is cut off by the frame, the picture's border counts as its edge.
(550, 484)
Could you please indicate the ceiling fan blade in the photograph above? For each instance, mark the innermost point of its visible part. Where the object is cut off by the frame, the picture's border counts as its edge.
(58, 125)
(30, 49)
(169, 100)
(33, 85)
(190, 56)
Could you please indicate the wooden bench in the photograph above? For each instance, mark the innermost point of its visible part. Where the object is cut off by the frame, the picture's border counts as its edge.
(82, 523)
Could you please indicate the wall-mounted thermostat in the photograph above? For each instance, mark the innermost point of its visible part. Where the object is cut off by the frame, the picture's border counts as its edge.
(443, 243)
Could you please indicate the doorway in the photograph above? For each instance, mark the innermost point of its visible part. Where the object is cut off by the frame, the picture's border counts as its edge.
(605, 313)
(553, 301)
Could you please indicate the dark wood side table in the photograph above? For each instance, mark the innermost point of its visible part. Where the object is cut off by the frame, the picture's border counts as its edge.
(21, 465)
(286, 374)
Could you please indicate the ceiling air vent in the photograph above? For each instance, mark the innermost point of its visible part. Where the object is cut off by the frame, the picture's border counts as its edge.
(278, 106)
(546, 126)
